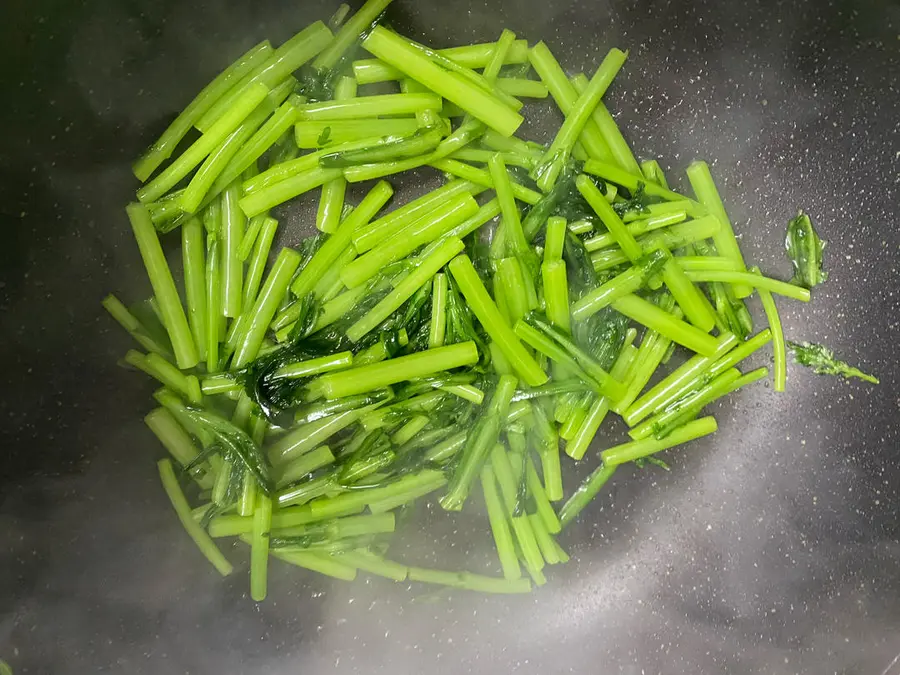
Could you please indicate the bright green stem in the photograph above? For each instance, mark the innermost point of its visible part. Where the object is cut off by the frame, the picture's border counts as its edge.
(628, 452)
(332, 249)
(468, 392)
(317, 366)
(163, 147)
(372, 234)
(286, 59)
(610, 218)
(512, 222)
(373, 564)
(581, 440)
(243, 106)
(163, 285)
(488, 315)
(482, 177)
(324, 134)
(259, 548)
(689, 298)
(368, 106)
(193, 244)
(778, 346)
(500, 526)
(651, 316)
(233, 224)
(370, 71)
(556, 293)
(176, 440)
(399, 369)
(522, 87)
(157, 367)
(726, 243)
(265, 198)
(542, 503)
(183, 510)
(438, 326)
(267, 302)
(309, 436)
(613, 174)
(406, 488)
(554, 239)
(214, 315)
(565, 95)
(257, 262)
(305, 464)
(130, 323)
(248, 241)
(738, 279)
(653, 350)
(509, 287)
(405, 289)
(399, 53)
(257, 145)
(423, 231)
(585, 493)
(331, 205)
(479, 441)
(636, 228)
(323, 563)
(349, 33)
(619, 286)
(521, 526)
(618, 146)
(579, 114)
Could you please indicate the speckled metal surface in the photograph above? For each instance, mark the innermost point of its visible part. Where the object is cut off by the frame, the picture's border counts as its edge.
(772, 548)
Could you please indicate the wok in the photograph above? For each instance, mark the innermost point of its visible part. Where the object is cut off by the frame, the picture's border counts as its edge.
(772, 547)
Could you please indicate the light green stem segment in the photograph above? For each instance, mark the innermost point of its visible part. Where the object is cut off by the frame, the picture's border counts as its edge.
(157, 367)
(486, 312)
(368, 106)
(407, 488)
(286, 59)
(613, 174)
(556, 294)
(349, 33)
(162, 149)
(372, 234)
(482, 177)
(558, 153)
(522, 87)
(323, 563)
(521, 526)
(331, 250)
(130, 323)
(248, 241)
(469, 582)
(214, 315)
(610, 218)
(751, 280)
(509, 290)
(609, 130)
(725, 241)
(280, 192)
(399, 369)
(266, 305)
(619, 286)
(163, 285)
(259, 547)
(565, 95)
(317, 366)
(373, 564)
(310, 436)
(585, 493)
(406, 288)
(468, 392)
(628, 452)
(193, 247)
(512, 222)
(554, 239)
(428, 228)
(370, 71)
(690, 299)
(438, 326)
(243, 106)
(316, 135)
(233, 224)
(258, 260)
(779, 352)
(636, 228)
(183, 510)
(651, 316)
(177, 441)
(305, 464)
(503, 540)
(481, 104)
(331, 201)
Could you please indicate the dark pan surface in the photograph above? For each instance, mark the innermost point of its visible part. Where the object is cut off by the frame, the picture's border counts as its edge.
(772, 548)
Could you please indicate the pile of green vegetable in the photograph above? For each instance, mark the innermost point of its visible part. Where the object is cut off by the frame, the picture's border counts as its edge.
(420, 353)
